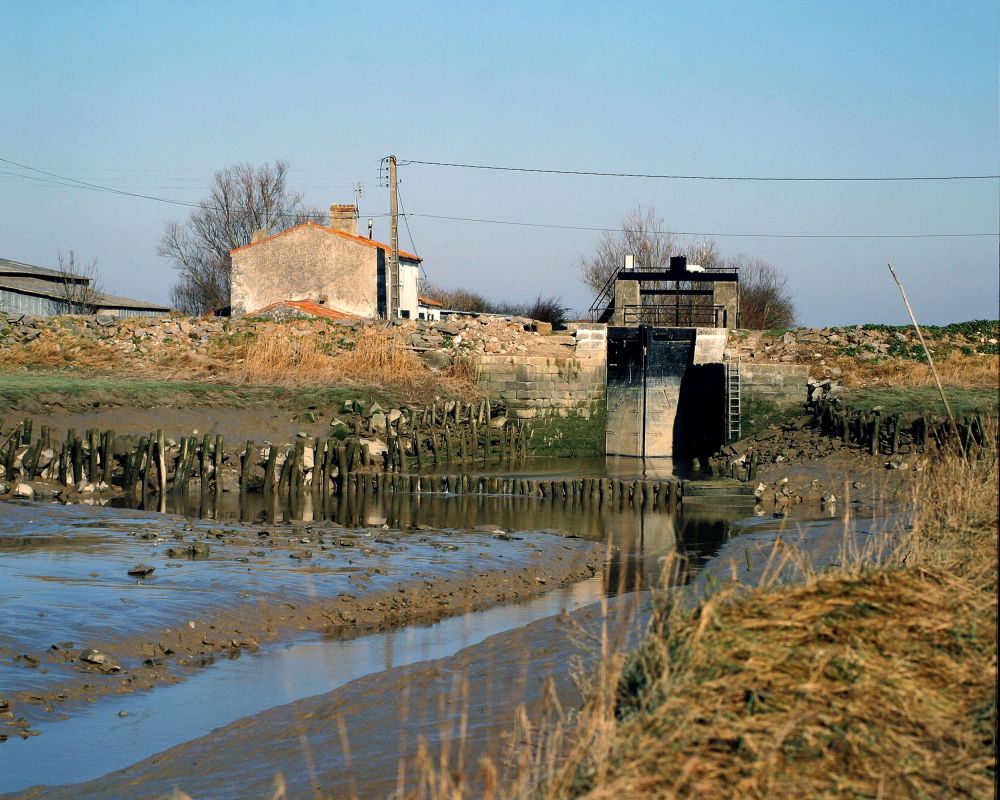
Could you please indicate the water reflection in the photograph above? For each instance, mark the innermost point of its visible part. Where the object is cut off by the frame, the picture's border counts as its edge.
(642, 539)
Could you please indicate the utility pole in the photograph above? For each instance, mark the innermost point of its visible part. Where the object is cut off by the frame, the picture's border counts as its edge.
(393, 306)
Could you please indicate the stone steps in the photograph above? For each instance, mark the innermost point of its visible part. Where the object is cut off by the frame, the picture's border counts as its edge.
(724, 492)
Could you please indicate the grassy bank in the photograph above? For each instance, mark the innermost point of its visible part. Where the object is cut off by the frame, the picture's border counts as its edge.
(894, 399)
(870, 680)
(874, 678)
(35, 392)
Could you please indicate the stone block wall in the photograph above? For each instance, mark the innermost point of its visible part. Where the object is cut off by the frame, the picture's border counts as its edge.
(538, 386)
(782, 384)
(591, 340)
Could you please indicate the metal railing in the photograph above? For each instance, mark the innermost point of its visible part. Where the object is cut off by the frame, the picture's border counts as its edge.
(675, 316)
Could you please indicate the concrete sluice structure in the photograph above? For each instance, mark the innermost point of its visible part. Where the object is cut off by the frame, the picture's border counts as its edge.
(666, 395)
(667, 390)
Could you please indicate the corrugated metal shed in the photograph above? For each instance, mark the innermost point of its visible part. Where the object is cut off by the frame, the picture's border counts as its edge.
(38, 291)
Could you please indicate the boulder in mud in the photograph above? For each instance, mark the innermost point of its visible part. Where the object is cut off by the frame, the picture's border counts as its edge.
(107, 662)
(23, 490)
(228, 479)
(376, 447)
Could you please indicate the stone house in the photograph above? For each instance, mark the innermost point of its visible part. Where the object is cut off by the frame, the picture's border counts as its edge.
(333, 266)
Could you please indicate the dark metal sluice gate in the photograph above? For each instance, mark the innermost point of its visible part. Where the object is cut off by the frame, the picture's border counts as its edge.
(660, 403)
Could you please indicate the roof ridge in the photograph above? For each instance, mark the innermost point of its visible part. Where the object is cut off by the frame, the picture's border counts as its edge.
(343, 234)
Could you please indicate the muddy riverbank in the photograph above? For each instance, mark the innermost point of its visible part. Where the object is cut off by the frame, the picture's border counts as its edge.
(76, 625)
(364, 737)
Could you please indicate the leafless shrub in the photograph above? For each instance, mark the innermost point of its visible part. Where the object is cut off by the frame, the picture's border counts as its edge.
(765, 302)
(457, 299)
(642, 235)
(79, 284)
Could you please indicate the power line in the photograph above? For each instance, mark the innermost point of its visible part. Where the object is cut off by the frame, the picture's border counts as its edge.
(73, 183)
(757, 178)
(406, 222)
(61, 180)
(716, 234)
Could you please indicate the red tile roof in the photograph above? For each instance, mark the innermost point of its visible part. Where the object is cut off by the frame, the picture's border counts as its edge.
(343, 234)
(309, 307)
(430, 302)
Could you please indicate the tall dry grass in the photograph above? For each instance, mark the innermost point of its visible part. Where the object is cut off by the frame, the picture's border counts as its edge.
(955, 369)
(58, 350)
(377, 356)
(876, 678)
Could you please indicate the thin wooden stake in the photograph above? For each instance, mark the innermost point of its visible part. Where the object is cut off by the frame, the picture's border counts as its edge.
(927, 352)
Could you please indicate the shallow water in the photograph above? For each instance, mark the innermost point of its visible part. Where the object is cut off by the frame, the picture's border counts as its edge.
(98, 741)
(63, 577)
(66, 580)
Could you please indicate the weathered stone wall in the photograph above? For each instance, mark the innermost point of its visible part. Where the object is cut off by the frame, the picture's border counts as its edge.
(306, 263)
(782, 384)
(538, 386)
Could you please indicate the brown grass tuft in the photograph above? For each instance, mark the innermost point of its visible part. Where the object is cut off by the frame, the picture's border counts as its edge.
(866, 681)
(955, 369)
(56, 350)
(276, 359)
(876, 678)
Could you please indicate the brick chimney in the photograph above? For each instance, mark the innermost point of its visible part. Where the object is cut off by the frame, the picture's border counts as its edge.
(344, 218)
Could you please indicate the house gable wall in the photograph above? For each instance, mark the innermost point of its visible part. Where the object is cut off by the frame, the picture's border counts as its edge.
(305, 263)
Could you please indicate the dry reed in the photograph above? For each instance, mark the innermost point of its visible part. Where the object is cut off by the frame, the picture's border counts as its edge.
(876, 678)
(955, 368)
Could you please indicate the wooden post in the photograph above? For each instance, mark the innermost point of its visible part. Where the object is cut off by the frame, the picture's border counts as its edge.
(77, 460)
(61, 475)
(134, 474)
(161, 463)
(179, 469)
(92, 474)
(147, 464)
(217, 455)
(272, 459)
(109, 456)
(203, 462)
(341, 468)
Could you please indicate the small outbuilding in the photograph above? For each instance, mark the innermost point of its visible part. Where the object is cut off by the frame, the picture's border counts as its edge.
(332, 266)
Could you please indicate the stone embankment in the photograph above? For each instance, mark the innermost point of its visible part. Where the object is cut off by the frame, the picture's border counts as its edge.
(143, 339)
(833, 354)
(829, 426)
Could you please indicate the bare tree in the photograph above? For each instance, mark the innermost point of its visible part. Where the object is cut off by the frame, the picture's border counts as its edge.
(641, 235)
(79, 284)
(457, 299)
(244, 198)
(764, 298)
(765, 302)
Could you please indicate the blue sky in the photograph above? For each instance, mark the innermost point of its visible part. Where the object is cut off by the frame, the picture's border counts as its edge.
(156, 98)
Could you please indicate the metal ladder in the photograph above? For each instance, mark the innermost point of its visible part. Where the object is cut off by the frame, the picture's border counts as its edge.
(733, 427)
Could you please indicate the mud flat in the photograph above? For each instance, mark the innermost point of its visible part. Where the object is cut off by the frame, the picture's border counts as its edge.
(75, 625)
(364, 736)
